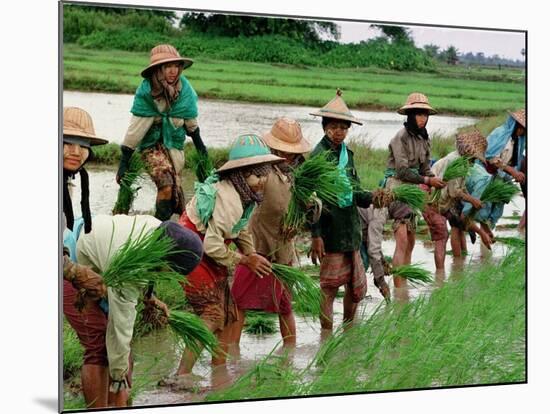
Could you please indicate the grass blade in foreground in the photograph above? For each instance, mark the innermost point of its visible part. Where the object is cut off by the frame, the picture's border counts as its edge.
(411, 195)
(192, 331)
(306, 292)
(414, 273)
(141, 260)
(128, 189)
(511, 241)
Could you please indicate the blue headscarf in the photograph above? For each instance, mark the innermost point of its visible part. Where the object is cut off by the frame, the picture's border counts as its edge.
(500, 136)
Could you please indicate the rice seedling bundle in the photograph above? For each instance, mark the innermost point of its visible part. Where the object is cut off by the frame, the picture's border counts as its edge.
(201, 164)
(140, 260)
(499, 191)
(414, 273)
(411, 195)
(259, 324)
(193, 332)
(511, 241)
(318, 175)
(458, 168)
(306, 293)
(128, 184)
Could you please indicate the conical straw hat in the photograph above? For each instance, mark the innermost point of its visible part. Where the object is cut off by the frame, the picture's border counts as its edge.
(286, 135)
(416, 100)
(248, 150)
(519, 116)
(337, 109)
(472, 144)
(165, 54)
(78, 123)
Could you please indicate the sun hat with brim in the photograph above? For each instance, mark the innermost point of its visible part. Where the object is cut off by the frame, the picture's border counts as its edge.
(472, 144)
(248, 150)
(286, 136)
(519, 116)
(337, 109)
(79, 128)
(164, 54)
(416, 100)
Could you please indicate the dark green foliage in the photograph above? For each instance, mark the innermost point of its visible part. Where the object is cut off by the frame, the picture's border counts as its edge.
(269, 40)
(248, 26)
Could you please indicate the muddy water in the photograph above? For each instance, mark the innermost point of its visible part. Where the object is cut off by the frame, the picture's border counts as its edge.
(253, 348)
(222, 121)
(157, 355)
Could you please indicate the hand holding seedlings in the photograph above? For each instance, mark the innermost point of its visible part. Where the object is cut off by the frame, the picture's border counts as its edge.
(257, 263)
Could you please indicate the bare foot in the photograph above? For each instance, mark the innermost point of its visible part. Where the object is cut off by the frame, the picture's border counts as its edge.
(189, 382)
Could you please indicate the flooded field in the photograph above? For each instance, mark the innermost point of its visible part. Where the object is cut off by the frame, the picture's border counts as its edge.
(222, 121)
(157, 355)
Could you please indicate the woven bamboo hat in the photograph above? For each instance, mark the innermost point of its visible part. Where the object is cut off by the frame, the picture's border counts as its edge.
(337, 109)
(519, 116)
(78, 126)
(472, 144)
(248, 150)
(286, 135)
(165, 54)
(416, 100)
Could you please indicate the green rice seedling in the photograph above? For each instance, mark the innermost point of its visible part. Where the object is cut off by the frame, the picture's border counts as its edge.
(72, 351)
(259, 323)
(201, 164)
(128, 184)
(499, 191)
(411, 195)
(414, 273)
(512, 241)
(140, 260)
(458, 168)
(306, 293)
(319, 175)
(470, 331)
(193, 332)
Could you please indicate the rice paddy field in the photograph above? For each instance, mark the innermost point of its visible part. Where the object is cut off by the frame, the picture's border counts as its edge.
(459, 91)
(466, 330)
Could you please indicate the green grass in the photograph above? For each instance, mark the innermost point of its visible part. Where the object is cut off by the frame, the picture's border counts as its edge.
(365, 88)
(72, 351)
(470, 331)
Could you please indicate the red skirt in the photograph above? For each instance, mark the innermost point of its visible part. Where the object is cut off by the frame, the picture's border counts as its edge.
(252, 292)
(207, 289)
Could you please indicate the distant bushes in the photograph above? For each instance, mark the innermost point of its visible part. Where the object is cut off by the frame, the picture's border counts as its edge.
(139, 32)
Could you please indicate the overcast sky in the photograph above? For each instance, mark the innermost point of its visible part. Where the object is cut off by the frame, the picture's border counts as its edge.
(504, 44)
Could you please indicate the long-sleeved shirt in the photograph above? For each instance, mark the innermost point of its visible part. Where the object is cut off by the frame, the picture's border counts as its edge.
(227, 212)
(454, 189)
(96, 249)
(266, 222)
(409, 153)
(139, 126)
(340, 227)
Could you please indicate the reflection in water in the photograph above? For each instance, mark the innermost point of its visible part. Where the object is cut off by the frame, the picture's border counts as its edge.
(222, 121)
(157, 354)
